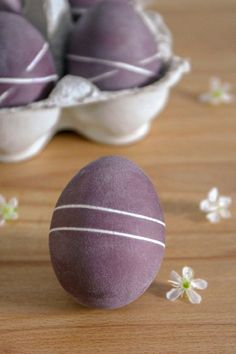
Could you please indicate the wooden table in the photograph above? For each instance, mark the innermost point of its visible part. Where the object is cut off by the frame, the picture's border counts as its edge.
(191, 148)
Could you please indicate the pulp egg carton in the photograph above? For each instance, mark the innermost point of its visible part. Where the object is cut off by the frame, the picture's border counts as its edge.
(117, 118)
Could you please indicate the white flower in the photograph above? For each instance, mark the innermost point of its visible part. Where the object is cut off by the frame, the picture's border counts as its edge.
(185, 285)
(219, 93)
(8, 210)
(215, 206)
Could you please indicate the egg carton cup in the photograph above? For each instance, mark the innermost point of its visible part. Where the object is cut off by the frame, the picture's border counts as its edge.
(116, 118)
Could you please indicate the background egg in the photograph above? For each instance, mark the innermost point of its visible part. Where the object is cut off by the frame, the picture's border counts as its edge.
(113, 46)
(11, 5)
(27, 71)
(107, 234)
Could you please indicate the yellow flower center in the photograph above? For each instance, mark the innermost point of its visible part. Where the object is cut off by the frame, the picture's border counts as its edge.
(186, 284)
(217, 93)
(7, 212)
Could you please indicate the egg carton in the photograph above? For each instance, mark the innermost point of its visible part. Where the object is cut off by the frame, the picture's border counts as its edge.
(116, 118)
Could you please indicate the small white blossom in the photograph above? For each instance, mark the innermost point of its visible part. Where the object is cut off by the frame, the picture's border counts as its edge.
(215, 206)
(218, 93)
(185, 285)
(8, 210)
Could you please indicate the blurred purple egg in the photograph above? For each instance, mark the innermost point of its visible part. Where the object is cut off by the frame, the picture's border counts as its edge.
(27, 71)
(11, 5)
(107, 236)
(112, 46)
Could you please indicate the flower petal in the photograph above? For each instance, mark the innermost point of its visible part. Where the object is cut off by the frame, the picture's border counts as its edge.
(205, 205)
(215, 83)
(13, 203)
(227, 98)
(213, 195)
(214, 217)
(174, 284)
(2, 221)
(2, 200)
(225, 213)
(187, 273)
(193, 297)
(205, 98)
(199, 284)
(225, 202)
(173, 294)
(175, 277)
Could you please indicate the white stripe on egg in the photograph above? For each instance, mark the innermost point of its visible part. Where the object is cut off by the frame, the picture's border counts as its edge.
(109, 210)
(38, 57)
(108, 232)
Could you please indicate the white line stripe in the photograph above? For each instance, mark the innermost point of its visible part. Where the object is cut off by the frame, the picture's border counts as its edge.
(38, 57)
(115, 64)
(109, 210)
(150, 59)
(104, 75)
(108, 232)
(108, 74)
(25, 81)
(4, 95)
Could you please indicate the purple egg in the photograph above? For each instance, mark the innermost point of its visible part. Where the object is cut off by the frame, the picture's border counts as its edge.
(107, 235)
(27, 71)
(11, 5)
(112, 46)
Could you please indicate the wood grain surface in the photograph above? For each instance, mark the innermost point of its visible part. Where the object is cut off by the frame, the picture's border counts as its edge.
(191, 148)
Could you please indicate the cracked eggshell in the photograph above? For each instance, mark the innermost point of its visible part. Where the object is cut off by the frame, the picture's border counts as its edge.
(120, 117)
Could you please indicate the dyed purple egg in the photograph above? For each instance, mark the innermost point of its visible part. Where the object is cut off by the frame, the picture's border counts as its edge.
(27, 71)
(107, 235)
(112, 46)
(11, 5)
